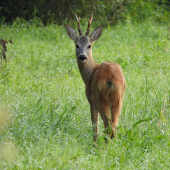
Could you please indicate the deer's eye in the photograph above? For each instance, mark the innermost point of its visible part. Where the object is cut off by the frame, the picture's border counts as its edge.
(89, 46)
(77, 46)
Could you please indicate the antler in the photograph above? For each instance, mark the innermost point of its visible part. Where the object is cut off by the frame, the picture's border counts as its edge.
(78, 24)
(89, 24)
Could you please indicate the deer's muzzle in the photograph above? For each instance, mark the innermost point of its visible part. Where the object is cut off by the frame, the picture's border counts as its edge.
(82, 57)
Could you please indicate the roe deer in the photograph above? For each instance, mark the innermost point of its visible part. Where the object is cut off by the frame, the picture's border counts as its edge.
(105, 83)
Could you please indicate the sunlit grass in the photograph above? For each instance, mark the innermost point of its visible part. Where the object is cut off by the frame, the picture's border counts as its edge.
(51, 127)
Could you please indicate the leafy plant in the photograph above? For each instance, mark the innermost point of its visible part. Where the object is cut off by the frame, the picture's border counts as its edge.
(63, 11)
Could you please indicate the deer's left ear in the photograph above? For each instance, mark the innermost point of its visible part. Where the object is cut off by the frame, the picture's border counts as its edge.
(72, 33)
(96, 34)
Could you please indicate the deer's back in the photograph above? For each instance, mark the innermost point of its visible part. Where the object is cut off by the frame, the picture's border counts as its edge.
(108, 81)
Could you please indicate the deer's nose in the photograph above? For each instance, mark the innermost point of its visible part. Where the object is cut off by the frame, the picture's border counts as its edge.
(82, 57)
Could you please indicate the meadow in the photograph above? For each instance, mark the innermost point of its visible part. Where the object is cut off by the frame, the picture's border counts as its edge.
(49, 124)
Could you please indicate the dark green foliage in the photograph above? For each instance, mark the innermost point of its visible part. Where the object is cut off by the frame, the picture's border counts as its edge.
(63, 11)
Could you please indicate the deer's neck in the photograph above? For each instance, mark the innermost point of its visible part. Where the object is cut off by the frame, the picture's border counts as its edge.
(87, 69)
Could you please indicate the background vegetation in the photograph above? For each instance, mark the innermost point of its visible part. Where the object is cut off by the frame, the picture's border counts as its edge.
(44, 114)
(63, 11)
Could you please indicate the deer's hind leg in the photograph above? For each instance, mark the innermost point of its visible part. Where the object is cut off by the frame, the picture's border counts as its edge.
(115, 113)
(105, 115)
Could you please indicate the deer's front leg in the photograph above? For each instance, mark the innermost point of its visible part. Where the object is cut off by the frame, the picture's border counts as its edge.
(95, 119)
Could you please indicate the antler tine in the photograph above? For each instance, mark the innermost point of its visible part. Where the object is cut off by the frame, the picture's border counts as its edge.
(89, 24)
(78, 24)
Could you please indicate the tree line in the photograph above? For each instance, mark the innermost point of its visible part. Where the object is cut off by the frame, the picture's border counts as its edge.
(63, 11)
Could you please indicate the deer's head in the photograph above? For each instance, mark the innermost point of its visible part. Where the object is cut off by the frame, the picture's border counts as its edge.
(84, 42)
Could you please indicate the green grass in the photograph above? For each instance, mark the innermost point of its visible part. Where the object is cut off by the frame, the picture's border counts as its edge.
(43, 94)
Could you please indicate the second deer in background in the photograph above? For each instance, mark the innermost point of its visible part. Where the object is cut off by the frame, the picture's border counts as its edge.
(105, 83)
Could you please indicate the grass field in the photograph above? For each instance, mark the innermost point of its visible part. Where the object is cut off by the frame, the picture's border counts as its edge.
(49, 123)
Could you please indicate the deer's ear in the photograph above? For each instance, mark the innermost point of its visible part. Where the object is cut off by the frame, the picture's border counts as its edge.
(72, 33)
(96, 34)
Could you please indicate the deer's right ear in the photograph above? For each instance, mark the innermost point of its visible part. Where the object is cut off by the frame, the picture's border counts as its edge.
(72, 33)
(96, 34)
